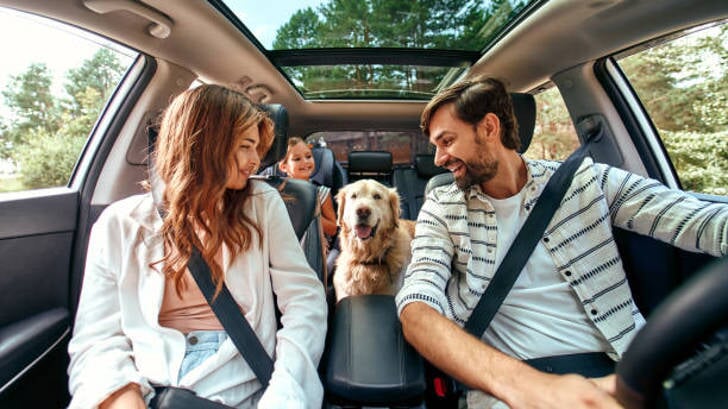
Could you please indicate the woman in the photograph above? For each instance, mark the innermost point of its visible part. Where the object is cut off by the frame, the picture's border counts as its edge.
(142, 320)
(299, 164)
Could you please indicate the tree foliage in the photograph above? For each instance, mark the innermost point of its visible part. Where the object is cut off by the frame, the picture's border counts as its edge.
(45, 133)
(680, 85)
(32, 105)
(99, 73)
(430, 24)
(701, 160)
(683, 85)
(554, 134)
(300, 31)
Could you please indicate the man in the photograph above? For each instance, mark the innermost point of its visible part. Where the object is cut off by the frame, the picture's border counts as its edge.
(572, 296)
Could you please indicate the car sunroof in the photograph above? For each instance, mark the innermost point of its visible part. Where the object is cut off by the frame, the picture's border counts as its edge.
(373, 49)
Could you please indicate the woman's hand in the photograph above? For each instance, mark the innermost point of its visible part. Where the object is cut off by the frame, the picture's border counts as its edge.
(129, 396)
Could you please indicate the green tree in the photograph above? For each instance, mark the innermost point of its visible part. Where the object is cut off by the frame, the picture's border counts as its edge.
(431, 24)
(301, 31)
(45, 137)
(679, 83)
(32, 106)
(683, 85)
(554, 137)
(47, 159)
(101, 73)
(700, 159)
(712, 109)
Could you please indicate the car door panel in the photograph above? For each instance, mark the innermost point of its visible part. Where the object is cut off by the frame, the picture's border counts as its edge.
(36, 240)
(654, 269)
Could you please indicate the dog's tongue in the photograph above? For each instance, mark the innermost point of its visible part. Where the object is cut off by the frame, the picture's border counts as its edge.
(363, 232)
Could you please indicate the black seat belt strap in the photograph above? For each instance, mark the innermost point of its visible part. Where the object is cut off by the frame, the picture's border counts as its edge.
(524, 243)
(232, 319)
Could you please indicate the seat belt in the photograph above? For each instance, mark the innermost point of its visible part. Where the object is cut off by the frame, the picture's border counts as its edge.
(524, 243)
(232, 319)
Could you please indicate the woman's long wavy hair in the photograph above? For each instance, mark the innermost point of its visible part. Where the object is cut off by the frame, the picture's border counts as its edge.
(198, 136)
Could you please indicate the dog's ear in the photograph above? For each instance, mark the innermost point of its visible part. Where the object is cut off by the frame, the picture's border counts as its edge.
(394, 205)
(340, 199)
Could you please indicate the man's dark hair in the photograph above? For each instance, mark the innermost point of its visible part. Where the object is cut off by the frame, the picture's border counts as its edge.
(472, 100)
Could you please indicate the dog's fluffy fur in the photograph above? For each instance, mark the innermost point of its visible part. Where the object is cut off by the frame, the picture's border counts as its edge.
(374, 241)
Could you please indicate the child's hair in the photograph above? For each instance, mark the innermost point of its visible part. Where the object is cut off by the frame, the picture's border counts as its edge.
(194, 149)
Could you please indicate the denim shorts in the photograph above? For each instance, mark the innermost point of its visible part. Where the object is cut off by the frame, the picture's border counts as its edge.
(200, 345)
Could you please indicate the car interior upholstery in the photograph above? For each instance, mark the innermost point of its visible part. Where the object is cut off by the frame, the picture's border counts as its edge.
(328, 171)
(567, 46)
(411, 181)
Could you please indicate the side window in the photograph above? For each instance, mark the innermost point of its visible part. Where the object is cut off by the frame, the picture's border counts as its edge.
(683, 85)
(554, 137)
(54, 82)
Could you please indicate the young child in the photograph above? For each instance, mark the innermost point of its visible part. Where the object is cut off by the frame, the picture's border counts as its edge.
(299, 164)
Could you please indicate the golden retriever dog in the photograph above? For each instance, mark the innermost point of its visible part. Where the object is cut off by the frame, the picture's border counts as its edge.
(374, 241)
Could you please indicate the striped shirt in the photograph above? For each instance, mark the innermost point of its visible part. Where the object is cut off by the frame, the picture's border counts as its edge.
(453, 252)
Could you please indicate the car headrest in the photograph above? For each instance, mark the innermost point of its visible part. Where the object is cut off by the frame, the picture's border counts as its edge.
(370, 161)
(425, 166)
(321, 169)
(279, 115)
(524, 107)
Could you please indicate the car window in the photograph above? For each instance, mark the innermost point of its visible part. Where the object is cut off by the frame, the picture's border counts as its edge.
(54, 84)
(403, 144)
(554, 136)
(683, 85)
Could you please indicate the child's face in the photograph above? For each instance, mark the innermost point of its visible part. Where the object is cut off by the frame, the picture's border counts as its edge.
(299, 164)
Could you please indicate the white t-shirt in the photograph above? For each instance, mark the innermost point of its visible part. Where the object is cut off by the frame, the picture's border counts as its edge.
(541, 315)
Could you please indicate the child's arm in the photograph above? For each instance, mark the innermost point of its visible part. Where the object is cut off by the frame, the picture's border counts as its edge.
(328, 217)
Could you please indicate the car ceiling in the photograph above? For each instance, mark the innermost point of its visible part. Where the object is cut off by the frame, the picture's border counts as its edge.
(557, 36)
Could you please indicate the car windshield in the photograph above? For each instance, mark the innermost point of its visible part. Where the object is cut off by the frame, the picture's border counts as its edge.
(374, 49)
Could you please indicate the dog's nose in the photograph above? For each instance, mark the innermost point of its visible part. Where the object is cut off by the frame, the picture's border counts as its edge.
(363, 212)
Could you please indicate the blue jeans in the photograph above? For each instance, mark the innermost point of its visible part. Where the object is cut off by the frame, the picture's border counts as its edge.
(200, 345)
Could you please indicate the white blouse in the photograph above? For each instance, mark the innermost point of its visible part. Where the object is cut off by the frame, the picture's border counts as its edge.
(117, 338)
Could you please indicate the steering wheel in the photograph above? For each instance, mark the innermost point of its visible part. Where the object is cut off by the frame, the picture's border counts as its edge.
(686, 317)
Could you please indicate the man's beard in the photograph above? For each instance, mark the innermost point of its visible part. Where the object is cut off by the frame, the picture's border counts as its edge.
(477, 173)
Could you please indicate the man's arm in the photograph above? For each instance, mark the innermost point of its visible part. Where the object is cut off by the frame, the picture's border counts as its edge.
(479, 366)
(650, 208)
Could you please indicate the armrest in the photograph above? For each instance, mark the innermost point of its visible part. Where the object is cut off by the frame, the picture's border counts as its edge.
(370, 363)
(24, 343)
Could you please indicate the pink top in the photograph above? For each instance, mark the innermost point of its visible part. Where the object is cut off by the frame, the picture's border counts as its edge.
(191, 312)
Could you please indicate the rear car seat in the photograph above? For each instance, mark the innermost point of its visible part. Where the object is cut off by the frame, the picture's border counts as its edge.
(411, 182)
(375, 165)
(328, 171)
(300, 196)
